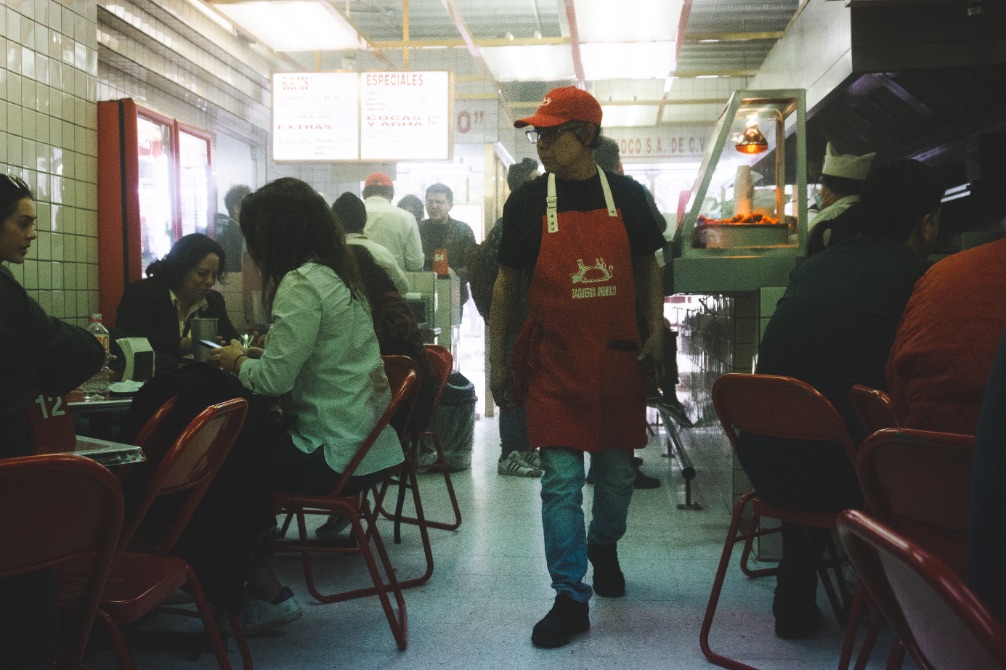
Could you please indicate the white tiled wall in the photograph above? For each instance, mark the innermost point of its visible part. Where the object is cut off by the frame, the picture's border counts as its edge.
(164, 54)
(48, 136)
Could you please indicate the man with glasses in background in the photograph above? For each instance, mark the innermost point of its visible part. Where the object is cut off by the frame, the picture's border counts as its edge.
(586, 238)
(440, 231)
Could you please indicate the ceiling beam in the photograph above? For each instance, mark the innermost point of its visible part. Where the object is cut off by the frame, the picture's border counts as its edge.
(574, 44)
(686, 12)
(626, 103)
(694, 38)
(495, 42)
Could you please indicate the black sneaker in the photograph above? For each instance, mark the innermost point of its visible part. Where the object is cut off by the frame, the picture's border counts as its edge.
(566, 619)
(609, 582)
(643, 481)
(799, 627)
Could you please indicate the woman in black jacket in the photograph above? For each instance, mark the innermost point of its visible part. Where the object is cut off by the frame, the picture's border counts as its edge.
(178, 287)
(37, 354)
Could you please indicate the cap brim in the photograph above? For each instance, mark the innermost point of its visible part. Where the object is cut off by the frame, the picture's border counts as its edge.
(539, 121)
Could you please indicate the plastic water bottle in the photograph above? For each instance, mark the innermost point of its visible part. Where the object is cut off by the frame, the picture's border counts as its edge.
(96, 388)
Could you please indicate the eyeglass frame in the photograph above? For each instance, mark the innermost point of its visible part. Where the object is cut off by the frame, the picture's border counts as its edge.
(550, 134)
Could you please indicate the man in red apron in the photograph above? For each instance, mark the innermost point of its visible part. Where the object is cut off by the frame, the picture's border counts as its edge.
(586, 239)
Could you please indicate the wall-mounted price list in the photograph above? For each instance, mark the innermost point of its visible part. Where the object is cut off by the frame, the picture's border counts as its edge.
(365, 116)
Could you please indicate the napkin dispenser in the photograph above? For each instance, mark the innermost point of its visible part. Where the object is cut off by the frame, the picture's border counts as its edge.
(139, 358)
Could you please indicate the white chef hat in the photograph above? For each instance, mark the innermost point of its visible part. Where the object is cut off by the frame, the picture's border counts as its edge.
(847, 166)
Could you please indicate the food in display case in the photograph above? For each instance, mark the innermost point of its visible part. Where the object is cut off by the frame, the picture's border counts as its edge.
(743, 198)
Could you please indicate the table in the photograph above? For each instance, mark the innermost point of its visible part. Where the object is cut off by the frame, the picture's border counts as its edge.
(101, 415)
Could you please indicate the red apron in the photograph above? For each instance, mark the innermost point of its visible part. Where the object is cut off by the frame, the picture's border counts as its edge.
(575, 357)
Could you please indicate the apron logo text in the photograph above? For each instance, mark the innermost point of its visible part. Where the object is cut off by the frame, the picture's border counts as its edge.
(593, 292)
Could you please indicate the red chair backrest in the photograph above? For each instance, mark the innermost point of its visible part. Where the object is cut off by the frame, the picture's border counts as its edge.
(442, 363)
(935, 615)
(777, 406)
(55, 508)
(396, 368)
(189, 465)
(918, 483)
(873, 407)
(401, 374)
(51, 424)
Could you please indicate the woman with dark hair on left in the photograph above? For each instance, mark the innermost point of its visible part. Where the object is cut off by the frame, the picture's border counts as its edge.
(37, 353)
(178, 287)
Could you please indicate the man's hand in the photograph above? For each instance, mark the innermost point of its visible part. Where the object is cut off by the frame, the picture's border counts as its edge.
(501, 383)
(652, 355)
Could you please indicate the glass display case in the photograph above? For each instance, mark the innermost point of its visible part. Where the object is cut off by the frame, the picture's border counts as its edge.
(745, 219)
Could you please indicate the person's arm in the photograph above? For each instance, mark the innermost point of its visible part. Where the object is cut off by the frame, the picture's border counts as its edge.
(466, 240)
(650, 284)
(504, 305)
(66, 355)
(296, 323)
(413, 245)
(145, 310)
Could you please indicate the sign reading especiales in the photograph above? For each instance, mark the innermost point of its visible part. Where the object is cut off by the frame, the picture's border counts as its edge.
(361, 116)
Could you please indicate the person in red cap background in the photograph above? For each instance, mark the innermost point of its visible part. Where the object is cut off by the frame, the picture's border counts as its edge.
(586, 238)
(392, 227)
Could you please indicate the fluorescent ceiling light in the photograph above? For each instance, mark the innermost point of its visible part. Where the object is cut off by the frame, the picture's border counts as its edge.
(628, 116)
(638, 60)
(538, 62)
(295, 25)
(628, 20)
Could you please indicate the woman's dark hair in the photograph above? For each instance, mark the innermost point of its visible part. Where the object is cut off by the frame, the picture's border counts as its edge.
(896, 196)
(13, 189)
(286, 223)
(412, 204)
(185, 254)
(518, 173)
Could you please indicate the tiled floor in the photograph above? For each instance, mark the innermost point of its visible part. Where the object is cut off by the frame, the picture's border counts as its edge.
(490, 586)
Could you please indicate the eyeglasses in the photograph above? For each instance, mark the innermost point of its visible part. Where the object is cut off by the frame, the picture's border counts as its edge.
(16, 182)
(548, 135)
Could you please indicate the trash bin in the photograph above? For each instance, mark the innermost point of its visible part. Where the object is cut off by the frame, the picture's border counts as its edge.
(454, 424)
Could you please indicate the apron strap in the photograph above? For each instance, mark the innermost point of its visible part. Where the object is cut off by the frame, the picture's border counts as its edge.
(608, 200)
(552, 201)
(552, 205)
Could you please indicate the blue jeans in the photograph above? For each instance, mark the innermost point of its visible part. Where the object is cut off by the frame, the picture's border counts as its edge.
(513, 422)
(513, 431)
(566, 537)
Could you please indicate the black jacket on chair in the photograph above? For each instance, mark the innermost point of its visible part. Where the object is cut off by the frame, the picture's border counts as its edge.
(237, 509)
(146, 310)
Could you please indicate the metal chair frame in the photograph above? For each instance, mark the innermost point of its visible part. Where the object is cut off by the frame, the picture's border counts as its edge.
(752, 403)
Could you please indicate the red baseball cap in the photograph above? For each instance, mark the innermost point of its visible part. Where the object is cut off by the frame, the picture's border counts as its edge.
(378, 179)
(562, 105)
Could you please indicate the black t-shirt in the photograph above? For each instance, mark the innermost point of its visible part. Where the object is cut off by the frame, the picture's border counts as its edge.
(524, 209)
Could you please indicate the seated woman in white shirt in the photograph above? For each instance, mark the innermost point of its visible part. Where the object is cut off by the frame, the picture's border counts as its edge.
(322, 357)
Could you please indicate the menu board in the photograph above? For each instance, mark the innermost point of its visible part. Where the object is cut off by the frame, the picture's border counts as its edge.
(315, 116)
(361, 116)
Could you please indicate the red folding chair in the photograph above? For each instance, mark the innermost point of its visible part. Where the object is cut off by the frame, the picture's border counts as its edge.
(56, 509)
(931, 609)
(781, 407)
(441, 362)
(401, 373)
(916, 482)
(873, 407)
(144, 572)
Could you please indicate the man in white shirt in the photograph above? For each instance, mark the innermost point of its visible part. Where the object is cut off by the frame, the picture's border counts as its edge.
(352, 214)
(390, 226)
